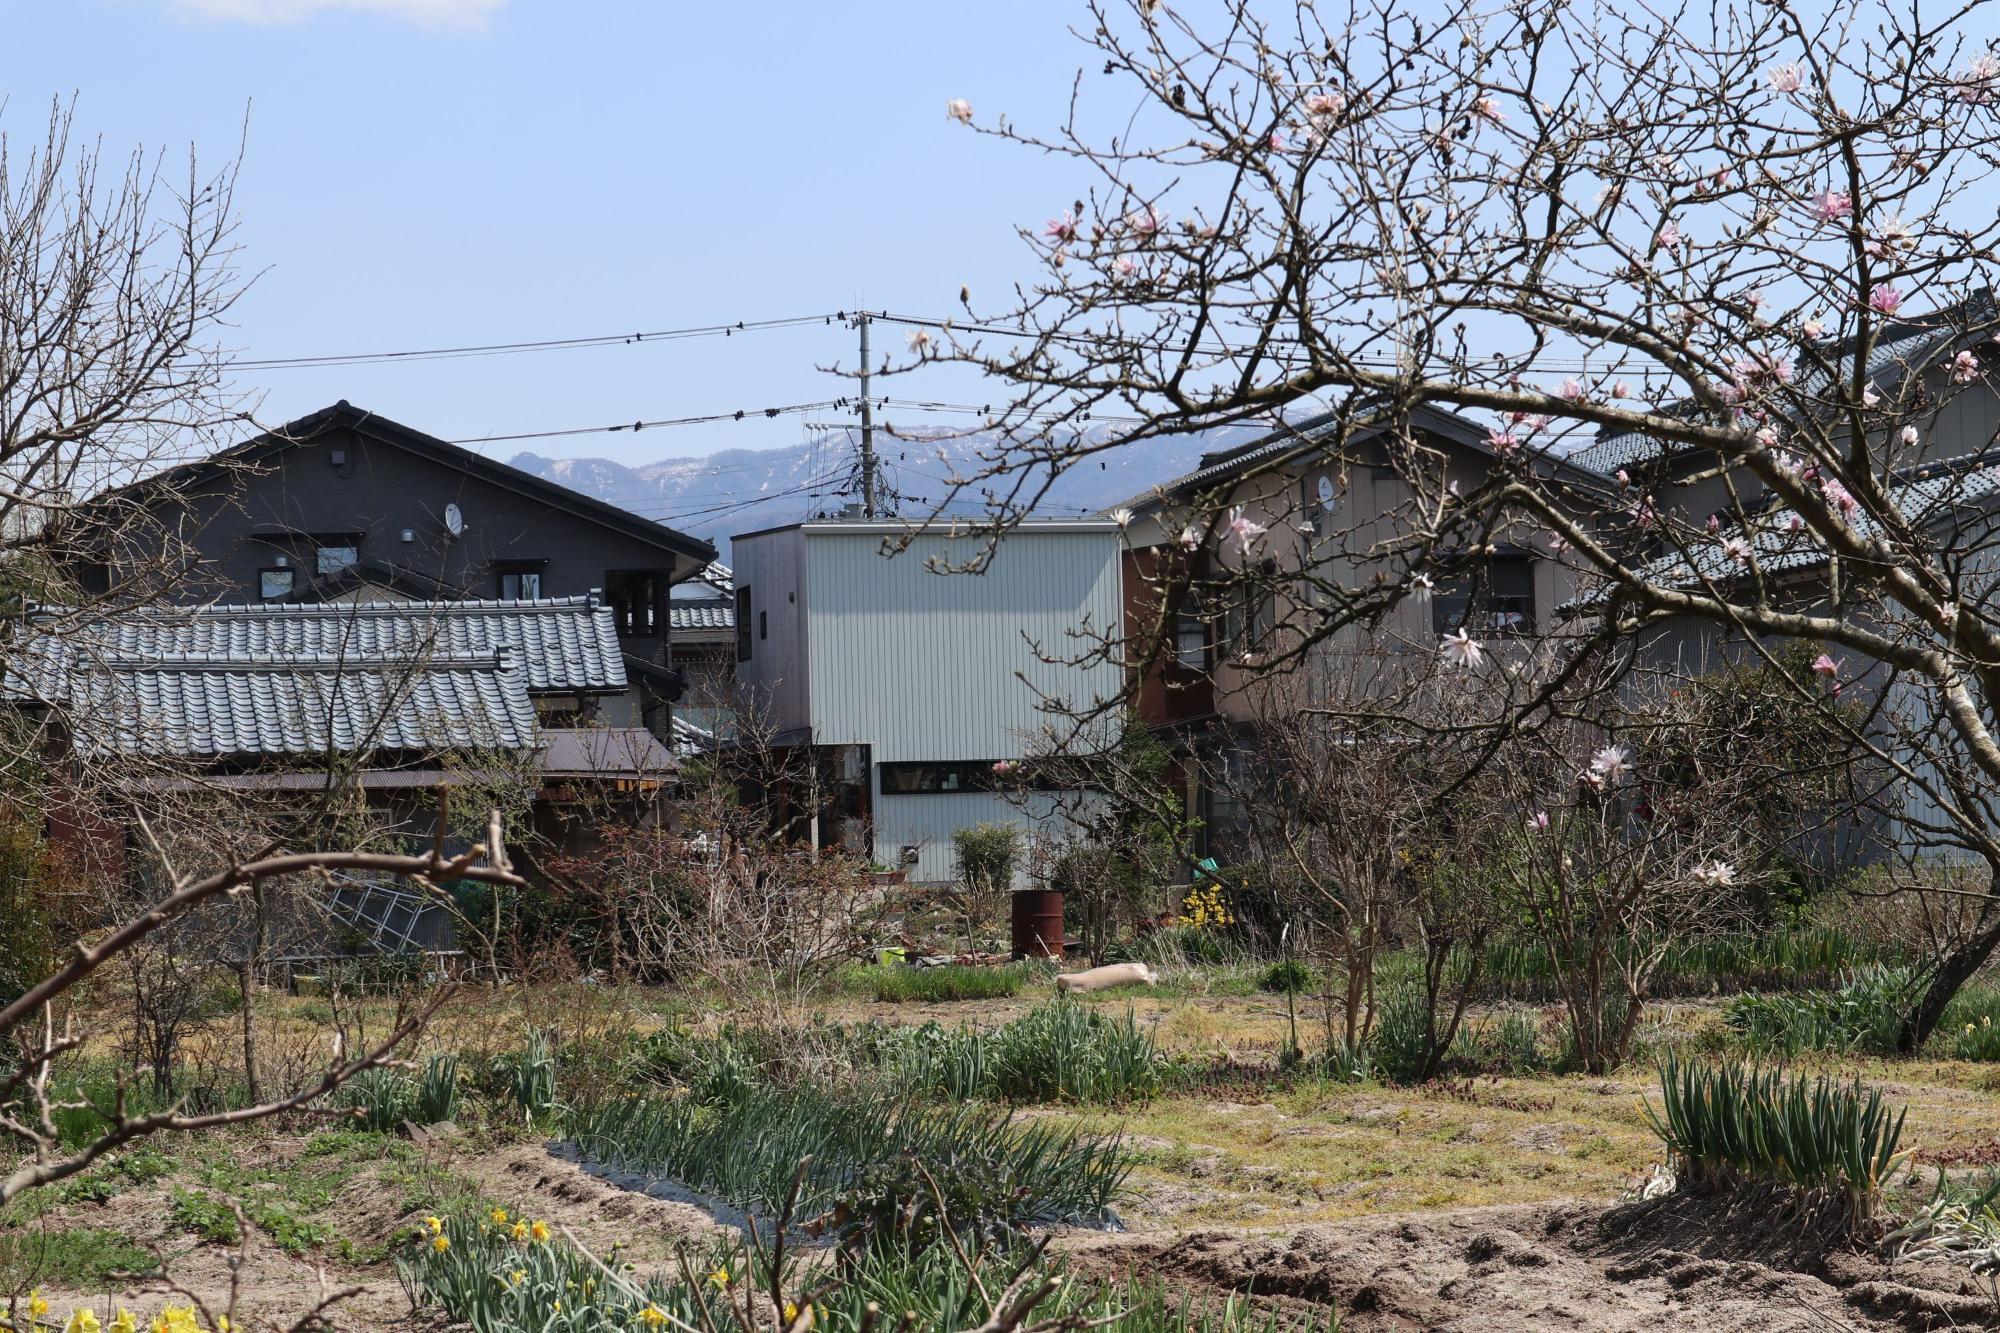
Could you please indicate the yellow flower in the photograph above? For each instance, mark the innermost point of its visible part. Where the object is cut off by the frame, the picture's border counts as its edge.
(438, 1243)
(499, 1216)
(518, 1276)
(126, 1322)
(520, 1231)
(37, 1304)
(540, 1231)
(83, 1321)
(720, 1277)
(222, 1323)
(652, 1316)
(433, 1225)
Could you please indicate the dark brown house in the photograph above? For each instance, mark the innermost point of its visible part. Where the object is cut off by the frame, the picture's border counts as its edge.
(346, 505)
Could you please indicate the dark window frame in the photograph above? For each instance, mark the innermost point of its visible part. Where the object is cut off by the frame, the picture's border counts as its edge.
(637, 617)
(1469, 596)
(744, 640)
(504, 570)
(291, 573)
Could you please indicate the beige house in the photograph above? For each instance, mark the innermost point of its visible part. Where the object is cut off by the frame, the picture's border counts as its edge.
(1215, 606)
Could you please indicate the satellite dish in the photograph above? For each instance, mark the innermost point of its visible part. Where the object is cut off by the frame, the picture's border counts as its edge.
(454, 520)
(1326, 492)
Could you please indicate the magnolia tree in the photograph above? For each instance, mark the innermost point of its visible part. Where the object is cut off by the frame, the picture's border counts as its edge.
(1738, 257)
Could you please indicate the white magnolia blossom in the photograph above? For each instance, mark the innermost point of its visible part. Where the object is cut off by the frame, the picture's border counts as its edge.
(1421, 588)
(959, 109)
(1122, 517)
(1716, 874)
(1461, 650)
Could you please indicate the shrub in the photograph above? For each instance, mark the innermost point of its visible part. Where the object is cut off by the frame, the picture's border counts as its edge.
(1727, 1126)
(379, 1095)
(1289, 977)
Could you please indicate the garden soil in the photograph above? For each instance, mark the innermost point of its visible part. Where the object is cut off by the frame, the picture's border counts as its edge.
(1671, 1264)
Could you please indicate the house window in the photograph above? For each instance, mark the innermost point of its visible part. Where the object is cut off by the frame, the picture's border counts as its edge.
(763, 625)
(1496, 596)
(1190, 641)
(520, 580)
(928, 779)
(275, 584)
(743, 624)
(334, 559)
(634, 595)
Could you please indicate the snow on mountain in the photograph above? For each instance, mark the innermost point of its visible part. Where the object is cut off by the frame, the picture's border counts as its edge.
(745, 490)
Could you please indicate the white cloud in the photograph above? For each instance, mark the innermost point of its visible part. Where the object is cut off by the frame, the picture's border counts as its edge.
(460, 14)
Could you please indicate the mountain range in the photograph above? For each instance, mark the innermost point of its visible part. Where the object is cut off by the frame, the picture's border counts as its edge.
(746, 490)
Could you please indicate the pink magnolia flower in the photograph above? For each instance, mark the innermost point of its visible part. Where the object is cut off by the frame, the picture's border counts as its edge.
(1502, 442)
(919, 340)
(1795, 524)
(1146, 223)
(1669, 237)
(1558, 544)
(1612, 764)
(1964, 368)
(1787, 79)
(1624, 477)
(1620, 389)
(1824, 665)
(1812, 329)
(1979, 81)
(1909, 436)
(1003, 766)
(1570, 390)
(1127, 266)
(1486, 108)
(1885, 299)
(1277, 141)
(1839, 497)
(1714, 525)
(1737, 549)
(1643, 515)
(1327, 106)
(1870, 396)
(1190, 538)
(1244, 528)
(1539, 821)
(1539, 422)
(958, 109)
(1833, 205)
(1061, 229)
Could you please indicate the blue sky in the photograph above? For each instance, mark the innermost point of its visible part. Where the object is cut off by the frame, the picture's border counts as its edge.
(436, 172)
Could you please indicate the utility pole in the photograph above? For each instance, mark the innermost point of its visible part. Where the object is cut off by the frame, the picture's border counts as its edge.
(867, 431)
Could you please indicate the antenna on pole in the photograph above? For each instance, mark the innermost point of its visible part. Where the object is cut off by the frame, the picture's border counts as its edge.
(867, 431)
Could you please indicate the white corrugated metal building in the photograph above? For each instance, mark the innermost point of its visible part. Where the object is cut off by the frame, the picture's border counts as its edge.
(916, 681)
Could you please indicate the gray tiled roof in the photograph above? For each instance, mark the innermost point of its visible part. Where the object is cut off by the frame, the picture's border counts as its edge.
(631, 752)
(1925, 502)
(563, 645)
(683, 616)
(1903, 346)
(208, 705)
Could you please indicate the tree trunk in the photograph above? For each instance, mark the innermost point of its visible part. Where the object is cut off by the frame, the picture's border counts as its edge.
(1953, 971)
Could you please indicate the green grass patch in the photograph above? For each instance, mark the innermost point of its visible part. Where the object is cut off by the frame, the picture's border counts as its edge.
(903, 984)
(79, 1257)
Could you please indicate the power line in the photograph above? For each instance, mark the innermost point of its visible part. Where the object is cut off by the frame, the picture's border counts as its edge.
(531, 345)
(632, 427)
